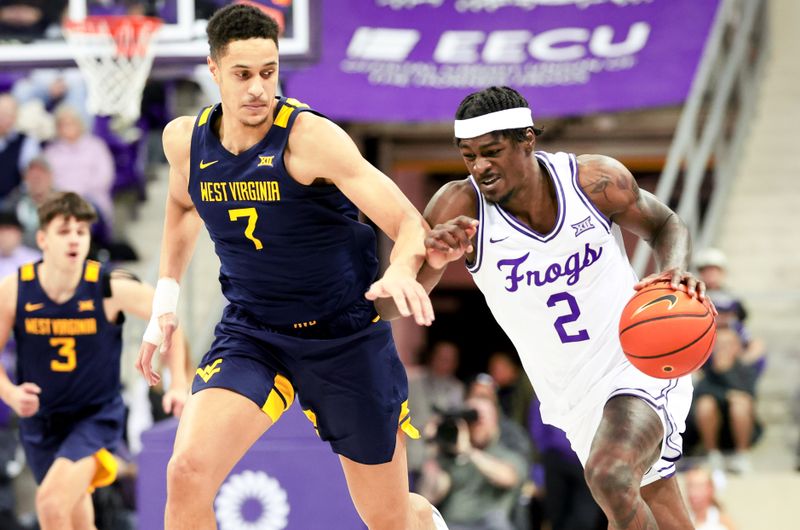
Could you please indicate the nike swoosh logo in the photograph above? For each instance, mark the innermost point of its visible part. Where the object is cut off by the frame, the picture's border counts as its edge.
(33, 307)
(491, 240)
(670, 298)
(204, 165)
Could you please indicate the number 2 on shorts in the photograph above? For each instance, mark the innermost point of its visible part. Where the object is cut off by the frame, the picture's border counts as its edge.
(252, 216)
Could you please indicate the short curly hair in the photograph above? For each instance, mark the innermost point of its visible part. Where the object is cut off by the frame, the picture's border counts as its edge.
(238, 22)
(67, 204)
(494, 99)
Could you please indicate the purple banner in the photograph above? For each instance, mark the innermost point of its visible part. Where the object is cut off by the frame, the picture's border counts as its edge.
(415, 60)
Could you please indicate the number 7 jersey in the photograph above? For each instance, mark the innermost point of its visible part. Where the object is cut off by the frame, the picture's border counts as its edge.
(289, 253)
(559, 295)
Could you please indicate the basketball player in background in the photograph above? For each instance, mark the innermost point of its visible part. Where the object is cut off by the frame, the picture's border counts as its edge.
(273, 183)
(540, 233)
(67, 314)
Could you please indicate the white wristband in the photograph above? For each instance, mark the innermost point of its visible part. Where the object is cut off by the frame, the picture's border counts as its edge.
(165, 299)
(152, 332)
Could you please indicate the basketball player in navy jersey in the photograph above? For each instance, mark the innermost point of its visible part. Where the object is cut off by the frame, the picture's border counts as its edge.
(67, 313)
(540, 234)
(277, 186)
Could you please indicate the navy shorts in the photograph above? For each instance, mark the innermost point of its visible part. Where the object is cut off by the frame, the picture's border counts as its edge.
(346, 374)
(92, 431)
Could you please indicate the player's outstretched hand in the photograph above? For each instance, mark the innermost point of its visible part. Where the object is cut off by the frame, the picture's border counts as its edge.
(24, 399)
(449, 241)
(408, 295)
(173, 401)
(680, 280)
(167, 324)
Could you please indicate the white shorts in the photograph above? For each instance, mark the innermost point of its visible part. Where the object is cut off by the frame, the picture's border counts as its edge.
(669, 398)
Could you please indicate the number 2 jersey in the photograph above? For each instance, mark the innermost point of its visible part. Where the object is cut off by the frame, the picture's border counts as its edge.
(70, 350)
(559, 295)
(289, 253)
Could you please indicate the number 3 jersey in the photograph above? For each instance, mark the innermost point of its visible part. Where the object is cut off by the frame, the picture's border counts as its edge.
(70, 350)
(289, 253)
(559, 295)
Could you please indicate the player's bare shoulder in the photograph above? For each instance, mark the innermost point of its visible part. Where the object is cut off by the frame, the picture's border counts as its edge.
(457, 197)
(177, 140)
(607, 182)
(320, 149)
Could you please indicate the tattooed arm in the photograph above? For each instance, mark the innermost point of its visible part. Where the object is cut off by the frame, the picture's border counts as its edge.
(614, 191)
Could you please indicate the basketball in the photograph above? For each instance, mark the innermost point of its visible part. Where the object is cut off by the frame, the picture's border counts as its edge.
(666, 333)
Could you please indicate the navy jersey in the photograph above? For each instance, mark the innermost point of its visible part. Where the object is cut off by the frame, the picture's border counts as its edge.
(70, 350)
(290, 254)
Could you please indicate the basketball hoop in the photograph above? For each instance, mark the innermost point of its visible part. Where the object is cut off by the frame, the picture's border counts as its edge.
(115, 54)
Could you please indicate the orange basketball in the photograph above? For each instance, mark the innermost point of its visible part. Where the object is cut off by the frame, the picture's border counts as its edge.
(666, 333)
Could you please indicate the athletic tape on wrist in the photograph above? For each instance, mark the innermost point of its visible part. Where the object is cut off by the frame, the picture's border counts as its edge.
(152, 332)
(165, 299)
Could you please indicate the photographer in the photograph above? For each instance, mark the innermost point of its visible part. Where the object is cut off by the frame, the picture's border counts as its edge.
(474, 479)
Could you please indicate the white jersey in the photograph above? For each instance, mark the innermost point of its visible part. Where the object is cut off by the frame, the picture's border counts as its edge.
(559, 295)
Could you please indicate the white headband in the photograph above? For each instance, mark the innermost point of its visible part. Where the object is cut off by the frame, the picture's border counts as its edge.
(494, 121)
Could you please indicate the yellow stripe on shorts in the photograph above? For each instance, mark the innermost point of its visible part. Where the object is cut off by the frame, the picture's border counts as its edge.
(282, 390)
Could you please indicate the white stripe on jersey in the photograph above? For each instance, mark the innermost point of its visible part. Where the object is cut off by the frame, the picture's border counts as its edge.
(558, 296)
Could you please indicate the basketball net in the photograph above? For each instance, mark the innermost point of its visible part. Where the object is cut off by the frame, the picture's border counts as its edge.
(114, 54)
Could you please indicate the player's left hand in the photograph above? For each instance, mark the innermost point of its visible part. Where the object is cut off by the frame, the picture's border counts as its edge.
(174, 400)
(680, 280)
(168, 323)
(407, 293)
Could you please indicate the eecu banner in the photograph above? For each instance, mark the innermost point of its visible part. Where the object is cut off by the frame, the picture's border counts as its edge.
(415, 60)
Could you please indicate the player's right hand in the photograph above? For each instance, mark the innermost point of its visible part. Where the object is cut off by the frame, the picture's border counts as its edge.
(24, 399)
(167, 323)
(449, 241)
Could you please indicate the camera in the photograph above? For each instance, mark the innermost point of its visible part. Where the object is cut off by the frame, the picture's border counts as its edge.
(447, 430)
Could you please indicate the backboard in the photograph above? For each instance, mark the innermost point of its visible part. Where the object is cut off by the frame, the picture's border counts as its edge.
(182, 39)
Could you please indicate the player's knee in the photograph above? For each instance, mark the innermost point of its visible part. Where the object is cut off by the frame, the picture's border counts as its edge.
(51, 507)
(185, 473)
(611, 475)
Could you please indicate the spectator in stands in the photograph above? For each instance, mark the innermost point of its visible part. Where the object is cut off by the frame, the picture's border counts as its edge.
(724, 411)
(81, 162)
(13, 254)
(712, 265)
(514, 390)
(432, 386)
(704, 508)
(37, 187)
(28, 20)
(474, 479)
(512, 434)
(16, 148)
(53, 87)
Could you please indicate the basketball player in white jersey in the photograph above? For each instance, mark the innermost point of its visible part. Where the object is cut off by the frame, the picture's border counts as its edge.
(541, 237)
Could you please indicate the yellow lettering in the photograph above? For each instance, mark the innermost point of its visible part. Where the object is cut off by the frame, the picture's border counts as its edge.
(74, 326)
(37, 326)
(251, 191)
(204, 192)
(275, 192)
